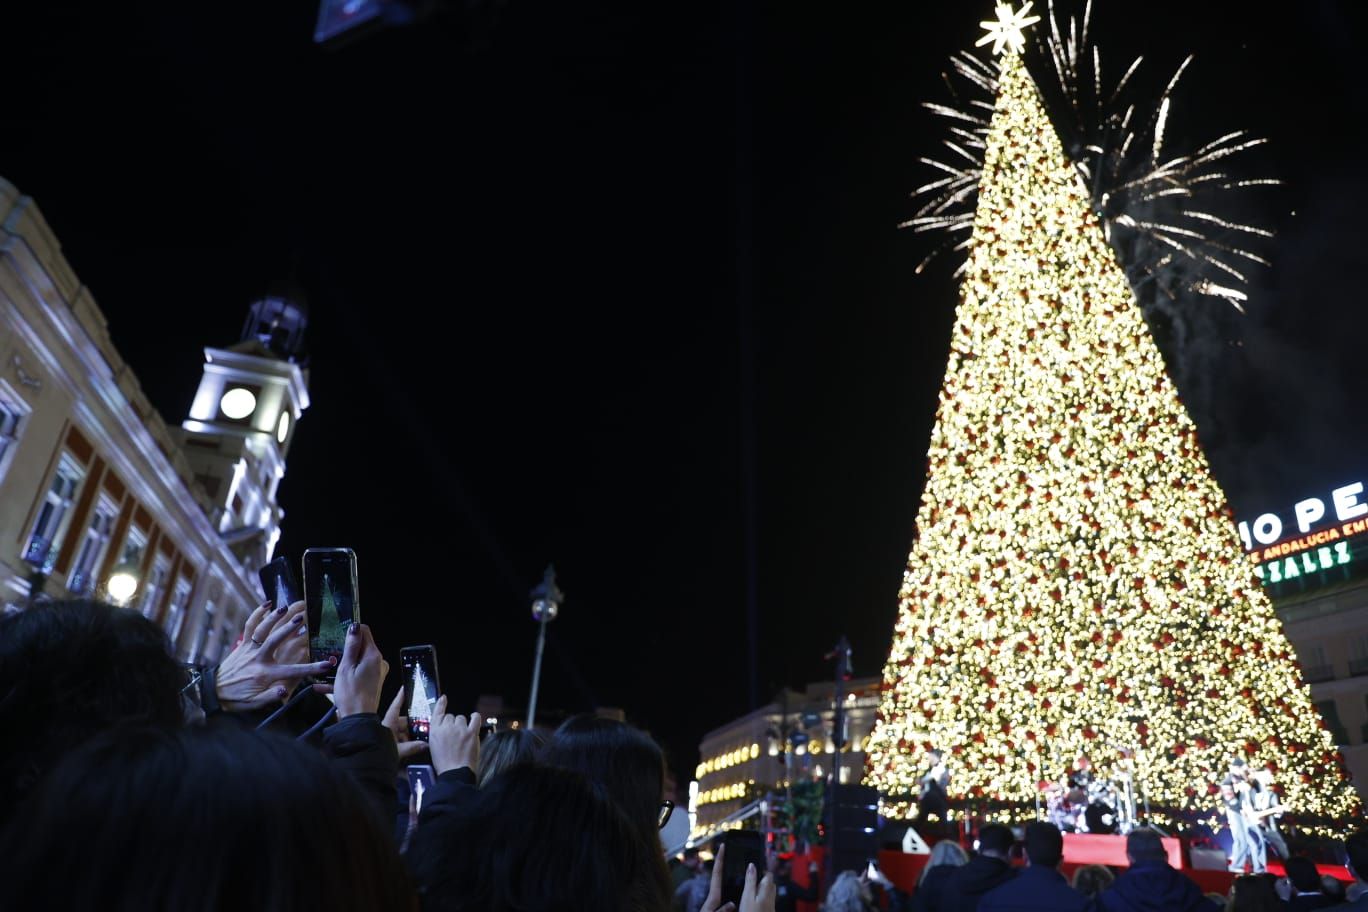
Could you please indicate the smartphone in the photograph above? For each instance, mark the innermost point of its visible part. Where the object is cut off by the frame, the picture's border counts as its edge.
(744, 847)
(420, 777)
(330, 597)
(279, 583)
(421, 687)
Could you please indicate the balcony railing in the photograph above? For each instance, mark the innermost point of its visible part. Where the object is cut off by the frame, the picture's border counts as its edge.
(1358, 666)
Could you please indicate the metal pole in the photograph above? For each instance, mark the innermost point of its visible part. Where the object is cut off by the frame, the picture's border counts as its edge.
(536, 675)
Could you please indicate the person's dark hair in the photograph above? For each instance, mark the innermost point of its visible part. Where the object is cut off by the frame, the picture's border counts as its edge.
(1044, 844)
(506, 749)
(1302, 873)
(624, 761)
(1356, 847)
(996, 838)
(627, 765)
(213, 819)
(1332, 886)
(1145, 844)
(1092, 879)
(70, 670)
(536, 839)
(1252, 893)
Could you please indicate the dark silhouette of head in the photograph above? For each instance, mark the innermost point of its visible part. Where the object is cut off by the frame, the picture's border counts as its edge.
(1254, 893)
(506, 749)
(1091, 880)
(213, 819)
(1044, 844)
(625, 764)
(1302, 873)
(70, 670)
(1145, 845)
(624, 761)
(995, 840)
(536, 839)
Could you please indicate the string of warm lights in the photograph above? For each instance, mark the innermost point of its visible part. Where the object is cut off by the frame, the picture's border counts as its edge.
(726, 760)
(1077, 585)
(726, 793)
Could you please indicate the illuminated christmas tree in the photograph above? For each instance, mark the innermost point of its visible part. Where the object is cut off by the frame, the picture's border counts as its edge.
(420, 708)
(332, 633)
(1076, 585)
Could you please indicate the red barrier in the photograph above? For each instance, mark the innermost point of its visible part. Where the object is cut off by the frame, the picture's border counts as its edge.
(1083, 849)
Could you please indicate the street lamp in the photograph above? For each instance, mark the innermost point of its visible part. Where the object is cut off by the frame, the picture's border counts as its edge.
(546, 602)
(123, 582)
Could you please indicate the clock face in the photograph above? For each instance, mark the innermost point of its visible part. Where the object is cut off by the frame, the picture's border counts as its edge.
(238, 403)
(283, 428)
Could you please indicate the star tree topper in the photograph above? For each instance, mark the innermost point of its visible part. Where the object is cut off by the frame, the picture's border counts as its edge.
(1007, 30)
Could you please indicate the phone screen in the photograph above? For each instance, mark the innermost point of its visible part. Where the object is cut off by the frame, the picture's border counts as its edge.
(744, 847)
(279, 584)
(331, 599)
(421, 686)
(420, 781)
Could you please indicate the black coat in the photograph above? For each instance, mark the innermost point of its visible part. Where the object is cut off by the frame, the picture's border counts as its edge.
(1154, 886)
(968, 884)
(365, 748)
(926, 898)
(447, 806)
(1035, 889)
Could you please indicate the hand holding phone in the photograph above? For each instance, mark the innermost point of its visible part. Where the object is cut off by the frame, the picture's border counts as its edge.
(360, 675)
(422, 688)
(331, 597)
(743, 849)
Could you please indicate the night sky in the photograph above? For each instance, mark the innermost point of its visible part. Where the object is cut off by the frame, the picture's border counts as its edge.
(618, 285)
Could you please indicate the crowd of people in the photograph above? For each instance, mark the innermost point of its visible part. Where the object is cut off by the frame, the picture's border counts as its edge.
(989, 881)
(129, 780)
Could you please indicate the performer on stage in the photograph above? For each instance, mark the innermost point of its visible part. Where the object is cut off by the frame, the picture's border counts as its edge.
(1246, 842)
(935, 785)
(1267, 808)
(1082, 774)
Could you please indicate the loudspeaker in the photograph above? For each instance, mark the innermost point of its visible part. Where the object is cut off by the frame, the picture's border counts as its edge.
(1204, 858)
(855, 831)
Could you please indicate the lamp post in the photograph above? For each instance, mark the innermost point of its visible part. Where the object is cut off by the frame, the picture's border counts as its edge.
(844, 672)
(546, 602)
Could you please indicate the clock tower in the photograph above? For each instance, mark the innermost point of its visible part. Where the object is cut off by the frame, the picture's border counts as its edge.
(243, 420)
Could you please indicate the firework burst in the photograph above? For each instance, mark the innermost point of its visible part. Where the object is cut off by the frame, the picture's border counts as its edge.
(1161, 212)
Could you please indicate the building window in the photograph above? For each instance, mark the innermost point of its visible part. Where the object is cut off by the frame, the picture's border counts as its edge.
(1358, 655)
(41, 550)
(154, 585)
(1315, 666)
(12, 414)
(92, 547)
(175, 612)
(134, 546)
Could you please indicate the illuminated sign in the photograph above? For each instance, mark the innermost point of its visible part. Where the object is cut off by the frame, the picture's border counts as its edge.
(1268, 528)
(1286, 568)
(1316, 538)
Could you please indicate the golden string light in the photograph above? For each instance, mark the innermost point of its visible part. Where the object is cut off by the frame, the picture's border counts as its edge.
(1077, 585)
